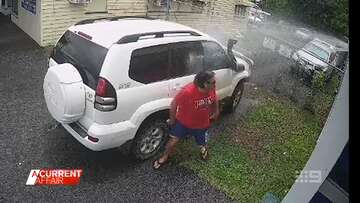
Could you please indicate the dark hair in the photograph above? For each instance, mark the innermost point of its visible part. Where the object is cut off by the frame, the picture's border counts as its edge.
(202, 77)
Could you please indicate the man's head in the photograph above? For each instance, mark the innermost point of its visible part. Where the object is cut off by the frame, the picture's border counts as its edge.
(205, 80)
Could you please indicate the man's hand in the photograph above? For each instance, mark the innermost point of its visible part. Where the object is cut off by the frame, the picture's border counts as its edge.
(170, 122)
(214, 116)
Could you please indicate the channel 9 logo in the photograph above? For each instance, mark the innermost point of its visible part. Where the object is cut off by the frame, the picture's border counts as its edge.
(308, 176)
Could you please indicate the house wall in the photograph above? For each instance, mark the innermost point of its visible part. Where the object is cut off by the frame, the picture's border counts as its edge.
(28, 21)
(215, 18)
(58, 15)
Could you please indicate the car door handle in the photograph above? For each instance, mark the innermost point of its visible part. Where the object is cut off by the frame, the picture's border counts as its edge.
(177, 87)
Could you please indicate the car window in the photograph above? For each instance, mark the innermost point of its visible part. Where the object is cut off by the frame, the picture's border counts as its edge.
(317, 51)
(149, 64)
(186, 59)
(86, 56)
(215, 57)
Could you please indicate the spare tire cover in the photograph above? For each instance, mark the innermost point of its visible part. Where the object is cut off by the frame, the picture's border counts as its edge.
(64, 93)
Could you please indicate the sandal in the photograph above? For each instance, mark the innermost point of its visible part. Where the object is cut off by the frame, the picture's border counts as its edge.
(204, 154)
(158, 164)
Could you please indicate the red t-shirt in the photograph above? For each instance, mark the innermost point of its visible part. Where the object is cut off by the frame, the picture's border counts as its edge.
(194, 107)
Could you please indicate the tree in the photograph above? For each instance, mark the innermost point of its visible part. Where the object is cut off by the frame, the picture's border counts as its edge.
(330, 15)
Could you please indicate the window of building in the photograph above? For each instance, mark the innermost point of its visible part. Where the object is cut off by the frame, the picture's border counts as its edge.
(198, 5)
(160, 3)
(243, 11)
(240, 10)
(149, 64)
(237, 10)
(14, 6)
(97, 6)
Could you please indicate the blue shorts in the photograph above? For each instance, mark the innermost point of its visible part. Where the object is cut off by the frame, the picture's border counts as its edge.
(180, 131)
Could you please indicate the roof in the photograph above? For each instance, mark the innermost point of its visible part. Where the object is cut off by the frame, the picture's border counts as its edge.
(106, 33)
(327, 46)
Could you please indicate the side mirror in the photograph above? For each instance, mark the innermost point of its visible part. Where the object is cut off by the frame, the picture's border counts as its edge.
(239, 67)
(230, 46)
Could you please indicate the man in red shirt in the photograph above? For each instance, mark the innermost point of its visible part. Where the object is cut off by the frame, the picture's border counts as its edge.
(190, 114)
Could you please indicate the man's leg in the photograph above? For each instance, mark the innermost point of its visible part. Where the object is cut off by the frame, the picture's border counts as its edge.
(204, 152)
(169, 149)
(201, 140)
(177, 132)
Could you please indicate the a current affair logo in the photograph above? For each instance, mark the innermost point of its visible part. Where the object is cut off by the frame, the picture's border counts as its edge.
(54, 177)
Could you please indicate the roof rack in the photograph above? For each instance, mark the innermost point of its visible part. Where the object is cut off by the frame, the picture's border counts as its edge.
(87, 21)
(135, 37)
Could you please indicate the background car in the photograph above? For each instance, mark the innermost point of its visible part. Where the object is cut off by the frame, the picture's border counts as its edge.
(257, 17)
(318, 56)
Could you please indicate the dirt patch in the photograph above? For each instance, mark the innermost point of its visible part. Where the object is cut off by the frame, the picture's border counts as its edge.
(255, 93)
(250, 140)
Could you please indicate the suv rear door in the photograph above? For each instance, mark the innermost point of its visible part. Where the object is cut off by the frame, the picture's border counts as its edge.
(87, 57)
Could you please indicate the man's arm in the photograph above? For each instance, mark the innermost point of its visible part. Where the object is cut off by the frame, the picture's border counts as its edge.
(172, 112)
(178, 100)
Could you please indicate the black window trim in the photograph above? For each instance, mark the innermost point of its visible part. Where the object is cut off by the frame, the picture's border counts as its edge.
(167, 68)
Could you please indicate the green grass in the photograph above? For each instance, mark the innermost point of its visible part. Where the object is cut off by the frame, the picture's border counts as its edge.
(258, 154)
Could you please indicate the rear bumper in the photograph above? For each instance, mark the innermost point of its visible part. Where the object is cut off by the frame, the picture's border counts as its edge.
(110, 136)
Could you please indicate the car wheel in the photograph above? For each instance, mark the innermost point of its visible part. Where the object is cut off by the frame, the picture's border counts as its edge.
(234, 101)
(150, 138)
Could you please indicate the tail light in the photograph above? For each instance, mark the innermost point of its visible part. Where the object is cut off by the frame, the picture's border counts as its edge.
(93, 139)
(105, 97)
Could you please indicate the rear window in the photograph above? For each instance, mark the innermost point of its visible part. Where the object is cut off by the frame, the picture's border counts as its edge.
(86, 56)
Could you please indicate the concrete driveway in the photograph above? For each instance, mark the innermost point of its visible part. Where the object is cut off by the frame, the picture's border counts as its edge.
(30, 141)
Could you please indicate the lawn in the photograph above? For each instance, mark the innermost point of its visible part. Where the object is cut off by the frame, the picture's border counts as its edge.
(258, 153)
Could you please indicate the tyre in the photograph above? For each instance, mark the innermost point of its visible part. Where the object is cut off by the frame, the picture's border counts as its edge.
(235, 98)
(150, 138)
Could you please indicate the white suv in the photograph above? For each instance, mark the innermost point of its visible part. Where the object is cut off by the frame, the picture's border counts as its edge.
(111, 80)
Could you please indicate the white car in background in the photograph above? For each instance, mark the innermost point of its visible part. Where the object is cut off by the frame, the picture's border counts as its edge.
(257, 16)
(303, 34)
(318, 56)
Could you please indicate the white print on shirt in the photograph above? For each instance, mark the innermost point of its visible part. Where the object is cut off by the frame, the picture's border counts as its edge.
(203, 103)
